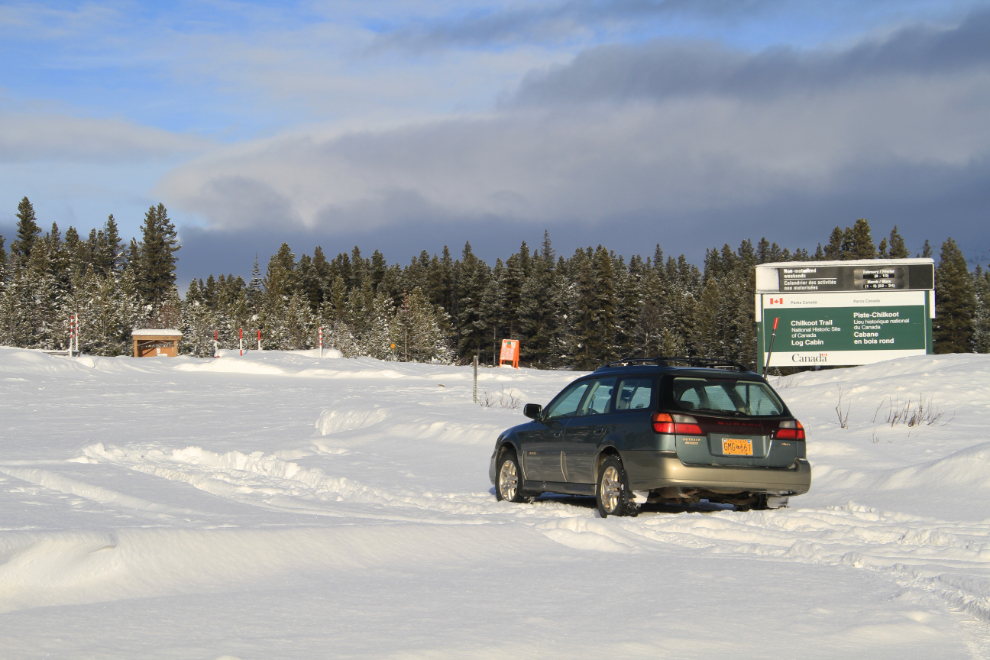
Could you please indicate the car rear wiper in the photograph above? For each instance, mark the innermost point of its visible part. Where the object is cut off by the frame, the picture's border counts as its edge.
(720, 411)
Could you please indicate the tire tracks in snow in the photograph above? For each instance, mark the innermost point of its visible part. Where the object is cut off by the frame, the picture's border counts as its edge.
(265, 480)
(949, 560)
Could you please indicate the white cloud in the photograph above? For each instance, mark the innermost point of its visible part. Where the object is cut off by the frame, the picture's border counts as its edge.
(56, 137)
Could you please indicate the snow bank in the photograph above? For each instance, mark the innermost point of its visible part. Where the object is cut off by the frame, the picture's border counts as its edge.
(231, 365)
(60, 568)
(280, 478)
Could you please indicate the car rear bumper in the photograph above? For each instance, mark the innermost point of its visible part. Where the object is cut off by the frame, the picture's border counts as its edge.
(651, 470)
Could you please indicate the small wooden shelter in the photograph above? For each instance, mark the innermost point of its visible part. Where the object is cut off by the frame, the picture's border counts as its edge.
(155, 342)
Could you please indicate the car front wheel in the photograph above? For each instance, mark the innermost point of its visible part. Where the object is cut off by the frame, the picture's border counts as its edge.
(612, 491)
(509, 486)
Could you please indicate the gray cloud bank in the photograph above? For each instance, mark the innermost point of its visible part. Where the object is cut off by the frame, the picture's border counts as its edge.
(662, 71)
(663, 140)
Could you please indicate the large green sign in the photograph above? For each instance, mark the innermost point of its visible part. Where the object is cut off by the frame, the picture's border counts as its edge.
(843, 328)
(846, 329)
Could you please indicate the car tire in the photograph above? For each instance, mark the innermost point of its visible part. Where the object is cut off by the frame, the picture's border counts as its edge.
(612, 490)
(508, 478)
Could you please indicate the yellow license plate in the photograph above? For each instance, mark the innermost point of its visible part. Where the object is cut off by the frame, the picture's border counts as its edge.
(737, 447)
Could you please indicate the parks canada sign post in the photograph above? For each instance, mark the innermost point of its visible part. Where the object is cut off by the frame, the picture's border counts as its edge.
(844, 312)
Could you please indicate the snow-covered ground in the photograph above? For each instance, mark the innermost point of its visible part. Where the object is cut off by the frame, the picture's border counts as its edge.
(280, 505)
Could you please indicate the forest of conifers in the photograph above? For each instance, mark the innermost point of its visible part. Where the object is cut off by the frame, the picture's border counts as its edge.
(578, 311)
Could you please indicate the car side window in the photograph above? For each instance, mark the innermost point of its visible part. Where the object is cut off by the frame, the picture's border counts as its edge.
(634, 394)
(599, 398)
(566, 403)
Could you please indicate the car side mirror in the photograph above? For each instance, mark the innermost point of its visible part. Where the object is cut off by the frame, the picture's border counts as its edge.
(533, 410)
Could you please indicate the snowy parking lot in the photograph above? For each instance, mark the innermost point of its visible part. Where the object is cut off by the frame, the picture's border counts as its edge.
(283, 505)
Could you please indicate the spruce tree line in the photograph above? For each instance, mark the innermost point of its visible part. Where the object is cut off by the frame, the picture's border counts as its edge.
(577, 312)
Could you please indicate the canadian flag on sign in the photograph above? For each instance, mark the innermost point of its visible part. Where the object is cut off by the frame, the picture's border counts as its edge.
(776, 301)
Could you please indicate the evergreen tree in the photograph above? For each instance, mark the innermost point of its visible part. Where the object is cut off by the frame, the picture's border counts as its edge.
(299, 324)
(392, 283)
(517, 271)
(628, 303)
(155, 262)
(78, 251)
(834, 249)
(105, 249)
(280, 277)
(493, 308)
(308, 282)
(956, 303)
(380, 339)
(897, 248)
(725, 321)
(358, 269)
(540, 309)
(472, 277)
(108, 308)
(254, 287)
(337, 300)
(882, 249)
(594, 325)
(341, 265)
(323, 276)
(650, 321)
(858, 241)
(415, 274)
(28, 232)
(46, 287)
(199, 323)
(376, 269)
(419, 329)
(16, 328)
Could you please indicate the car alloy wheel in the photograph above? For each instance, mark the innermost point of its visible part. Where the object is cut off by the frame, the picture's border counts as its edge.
(611, 489)
(612, 492)
(509, 487)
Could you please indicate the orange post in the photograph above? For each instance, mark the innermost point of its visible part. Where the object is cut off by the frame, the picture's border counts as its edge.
(510, 353)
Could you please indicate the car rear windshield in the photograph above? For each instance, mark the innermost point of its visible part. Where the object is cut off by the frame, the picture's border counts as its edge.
(726, 396)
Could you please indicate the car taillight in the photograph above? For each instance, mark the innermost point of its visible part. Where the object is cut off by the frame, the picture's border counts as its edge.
(679, 424)
(663, 423)
(790, 430)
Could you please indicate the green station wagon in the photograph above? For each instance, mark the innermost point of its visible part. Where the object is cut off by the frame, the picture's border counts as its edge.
(671, 430)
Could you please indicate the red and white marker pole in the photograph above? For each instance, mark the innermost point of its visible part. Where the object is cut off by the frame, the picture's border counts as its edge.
(241, 339)
(321, 341)
(770, 352)
(259, 340)
(216, 343)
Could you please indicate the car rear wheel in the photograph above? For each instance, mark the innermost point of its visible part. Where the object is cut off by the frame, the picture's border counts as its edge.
(612, 492)
(509, 486)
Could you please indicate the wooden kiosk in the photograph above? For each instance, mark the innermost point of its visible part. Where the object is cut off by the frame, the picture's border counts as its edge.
(153, 342)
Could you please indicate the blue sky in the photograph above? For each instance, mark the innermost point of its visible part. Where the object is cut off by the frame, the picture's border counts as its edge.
(409, 125)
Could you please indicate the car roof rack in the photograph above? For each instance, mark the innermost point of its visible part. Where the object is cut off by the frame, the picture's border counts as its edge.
(671, 361)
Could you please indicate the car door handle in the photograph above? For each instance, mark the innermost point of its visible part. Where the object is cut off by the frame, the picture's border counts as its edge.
(600, 430)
